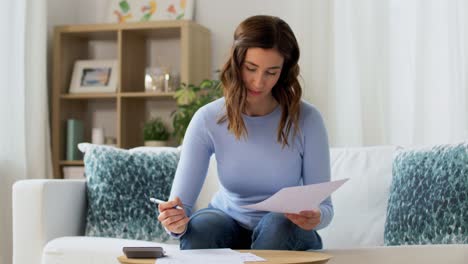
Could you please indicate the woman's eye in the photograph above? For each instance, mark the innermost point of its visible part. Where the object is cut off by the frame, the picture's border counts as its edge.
(250, 69)
(271, 73)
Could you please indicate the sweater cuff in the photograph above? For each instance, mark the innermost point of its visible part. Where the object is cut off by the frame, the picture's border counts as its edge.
(174, 235)
(326, 215)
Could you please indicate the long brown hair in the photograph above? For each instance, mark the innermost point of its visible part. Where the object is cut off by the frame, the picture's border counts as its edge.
(265, 32)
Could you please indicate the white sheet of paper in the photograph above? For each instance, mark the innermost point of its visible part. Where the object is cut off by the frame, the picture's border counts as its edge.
(298, 198)
(246, 257)
(201, 256)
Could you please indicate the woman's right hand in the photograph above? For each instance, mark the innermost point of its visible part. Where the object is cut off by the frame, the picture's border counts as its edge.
(174, 220)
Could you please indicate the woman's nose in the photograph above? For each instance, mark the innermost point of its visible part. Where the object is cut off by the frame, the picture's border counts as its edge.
(258, 81)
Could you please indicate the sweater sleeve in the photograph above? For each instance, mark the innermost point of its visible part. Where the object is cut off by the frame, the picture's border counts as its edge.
(197, 149)
(316, 160)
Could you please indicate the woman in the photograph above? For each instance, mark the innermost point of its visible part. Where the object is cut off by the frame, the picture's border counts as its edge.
(265, 138)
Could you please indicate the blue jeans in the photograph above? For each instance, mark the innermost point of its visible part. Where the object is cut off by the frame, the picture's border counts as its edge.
(212, 228)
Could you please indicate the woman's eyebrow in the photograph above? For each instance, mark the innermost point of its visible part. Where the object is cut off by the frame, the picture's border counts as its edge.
(270, 68)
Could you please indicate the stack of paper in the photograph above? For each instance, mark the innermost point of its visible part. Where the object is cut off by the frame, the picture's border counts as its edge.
(207, 256)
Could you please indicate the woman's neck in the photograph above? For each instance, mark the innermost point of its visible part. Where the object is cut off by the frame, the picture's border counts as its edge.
(261, 108)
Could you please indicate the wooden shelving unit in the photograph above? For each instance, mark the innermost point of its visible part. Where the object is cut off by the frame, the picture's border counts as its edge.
(184, 44)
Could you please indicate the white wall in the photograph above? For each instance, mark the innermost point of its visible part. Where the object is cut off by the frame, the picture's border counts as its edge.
(62, 12)
(59, 12)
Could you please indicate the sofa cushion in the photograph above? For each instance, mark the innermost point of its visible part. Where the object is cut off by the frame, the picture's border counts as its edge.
(360, 205)
(428, 198)
(119, 184)
(79, 250)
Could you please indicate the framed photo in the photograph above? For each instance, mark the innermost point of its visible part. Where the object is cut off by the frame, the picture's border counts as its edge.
(94, 76)
(121, 11)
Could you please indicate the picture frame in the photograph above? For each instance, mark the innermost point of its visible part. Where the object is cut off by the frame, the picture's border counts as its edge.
(122, 11)
(94, 76)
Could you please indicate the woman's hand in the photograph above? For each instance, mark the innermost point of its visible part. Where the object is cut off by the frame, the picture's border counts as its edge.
(174, 220)
(306, 220)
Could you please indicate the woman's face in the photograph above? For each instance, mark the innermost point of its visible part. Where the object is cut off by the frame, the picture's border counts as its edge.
(260, 72)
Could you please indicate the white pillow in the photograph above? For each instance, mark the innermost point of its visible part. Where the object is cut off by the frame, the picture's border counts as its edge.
(360, 205)
(210, 186)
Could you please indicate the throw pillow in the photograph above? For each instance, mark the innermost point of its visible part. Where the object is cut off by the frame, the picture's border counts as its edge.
(369, 170)
(119, 184)
(428, 197)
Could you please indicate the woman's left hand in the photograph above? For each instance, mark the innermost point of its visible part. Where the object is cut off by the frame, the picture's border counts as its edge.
(306, 220)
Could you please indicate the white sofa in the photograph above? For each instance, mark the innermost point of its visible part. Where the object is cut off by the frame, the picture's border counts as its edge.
(49, 218)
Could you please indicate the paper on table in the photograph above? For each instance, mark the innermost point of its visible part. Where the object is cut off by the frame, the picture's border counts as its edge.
(248, 257)
(298, 198)
(201, 256)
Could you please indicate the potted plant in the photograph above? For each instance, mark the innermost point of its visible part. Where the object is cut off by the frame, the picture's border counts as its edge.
(189, 98)
(155, 133)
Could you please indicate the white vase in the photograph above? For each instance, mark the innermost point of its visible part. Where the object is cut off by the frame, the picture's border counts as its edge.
(97, 136)
(155, 143)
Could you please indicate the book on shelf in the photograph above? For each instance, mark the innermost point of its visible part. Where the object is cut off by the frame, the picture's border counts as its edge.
(74, 136)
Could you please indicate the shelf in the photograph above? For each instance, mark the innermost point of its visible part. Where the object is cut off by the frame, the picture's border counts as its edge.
(182, 45)
(93, 35)
(88, 96)
(160, 33)
(146, 95)
(114, 95)
(161, 24)
(71, 163)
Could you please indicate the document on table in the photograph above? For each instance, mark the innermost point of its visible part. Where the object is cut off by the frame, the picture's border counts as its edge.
(248, 257)
(298, 198)
(202, 256)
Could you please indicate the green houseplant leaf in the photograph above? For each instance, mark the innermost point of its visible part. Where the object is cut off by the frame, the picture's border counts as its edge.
(189, 98)
(155, 130)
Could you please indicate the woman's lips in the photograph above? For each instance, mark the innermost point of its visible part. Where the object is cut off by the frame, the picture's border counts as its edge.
(254, 93)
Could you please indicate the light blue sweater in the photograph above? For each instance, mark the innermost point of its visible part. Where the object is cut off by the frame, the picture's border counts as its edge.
(254, 168)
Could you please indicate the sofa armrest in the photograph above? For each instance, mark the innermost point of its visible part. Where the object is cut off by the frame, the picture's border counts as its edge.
(414, 254)
(44, 210)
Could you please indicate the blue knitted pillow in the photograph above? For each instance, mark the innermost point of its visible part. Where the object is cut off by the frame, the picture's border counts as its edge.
(119, 184)
(428, 201)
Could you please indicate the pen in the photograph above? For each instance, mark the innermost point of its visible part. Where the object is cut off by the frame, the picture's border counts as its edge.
(157, 201)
